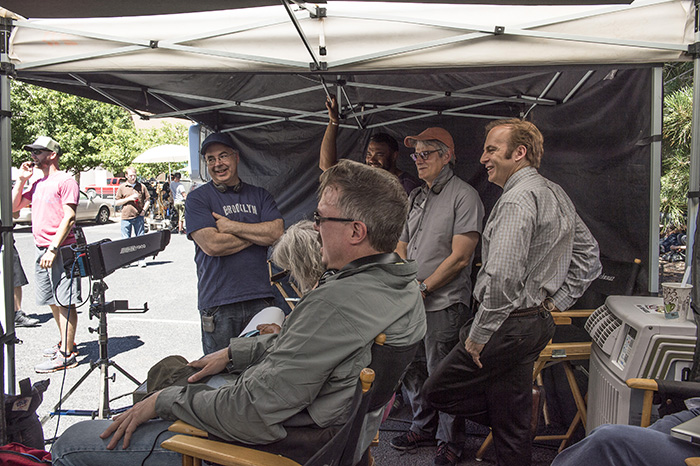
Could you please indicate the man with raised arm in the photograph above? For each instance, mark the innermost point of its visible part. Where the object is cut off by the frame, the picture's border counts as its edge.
(382, 150)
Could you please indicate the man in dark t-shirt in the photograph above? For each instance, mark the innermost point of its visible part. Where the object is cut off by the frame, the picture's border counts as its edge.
(232, 223)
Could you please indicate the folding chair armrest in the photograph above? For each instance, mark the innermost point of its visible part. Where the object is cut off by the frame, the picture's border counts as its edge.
(643, 384)
(224, 454)
(649, 386)
(575, 313)
(180, 427)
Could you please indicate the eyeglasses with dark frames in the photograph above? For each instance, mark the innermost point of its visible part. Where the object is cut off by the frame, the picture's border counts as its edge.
(212, 159)
(318, 219)
(425, 155)
(38, 151)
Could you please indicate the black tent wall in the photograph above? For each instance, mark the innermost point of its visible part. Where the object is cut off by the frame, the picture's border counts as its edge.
(595, 138)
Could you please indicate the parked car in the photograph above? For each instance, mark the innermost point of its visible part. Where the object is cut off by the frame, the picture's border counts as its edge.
(109, 190)
(90, 209)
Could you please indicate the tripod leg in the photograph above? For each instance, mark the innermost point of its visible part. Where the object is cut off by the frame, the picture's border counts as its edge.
(129, 376)
(70, 392)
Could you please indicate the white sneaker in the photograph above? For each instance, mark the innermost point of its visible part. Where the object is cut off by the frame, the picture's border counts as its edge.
(56, 363)
(142, 263)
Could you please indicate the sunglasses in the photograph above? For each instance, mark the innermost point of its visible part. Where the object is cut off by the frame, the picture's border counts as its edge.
(38, 151)
(425, 155)
(318, 219)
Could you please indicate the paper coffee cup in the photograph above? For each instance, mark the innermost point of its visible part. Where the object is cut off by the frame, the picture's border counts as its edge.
(676, 300)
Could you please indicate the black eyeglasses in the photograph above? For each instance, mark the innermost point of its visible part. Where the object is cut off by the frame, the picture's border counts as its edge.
(223, 157)
(38, 151)
(425, 155)
(318, 219)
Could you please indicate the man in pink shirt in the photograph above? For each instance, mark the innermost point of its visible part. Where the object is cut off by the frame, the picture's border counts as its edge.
(54, 198)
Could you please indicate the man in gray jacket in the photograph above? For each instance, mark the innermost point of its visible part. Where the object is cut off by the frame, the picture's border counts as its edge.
(303, 378)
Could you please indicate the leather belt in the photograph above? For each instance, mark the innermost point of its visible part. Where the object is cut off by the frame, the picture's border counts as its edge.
(545, 306)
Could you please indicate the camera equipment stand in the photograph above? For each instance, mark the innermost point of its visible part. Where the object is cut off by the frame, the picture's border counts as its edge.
(99, 309)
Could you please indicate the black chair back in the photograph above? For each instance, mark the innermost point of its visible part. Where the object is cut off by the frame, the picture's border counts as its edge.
(617, 278)
(340, 449)
(389, 364)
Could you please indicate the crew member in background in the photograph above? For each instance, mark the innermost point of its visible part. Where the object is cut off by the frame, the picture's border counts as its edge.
(54, 198)
(179, 196)
(232, 224)
(134, 199)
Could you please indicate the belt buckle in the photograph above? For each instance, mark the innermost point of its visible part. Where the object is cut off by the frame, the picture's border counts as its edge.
(548, 304)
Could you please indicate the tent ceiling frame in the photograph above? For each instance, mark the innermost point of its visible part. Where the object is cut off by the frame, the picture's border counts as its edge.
(544, 92)
(106, 94)
(273, 114)
(523, 30)
(490, 30)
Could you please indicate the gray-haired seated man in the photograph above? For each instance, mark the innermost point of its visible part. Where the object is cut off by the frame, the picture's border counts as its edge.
(302, 379)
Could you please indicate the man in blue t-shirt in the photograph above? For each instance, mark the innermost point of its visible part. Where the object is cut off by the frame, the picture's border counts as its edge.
(232, 223)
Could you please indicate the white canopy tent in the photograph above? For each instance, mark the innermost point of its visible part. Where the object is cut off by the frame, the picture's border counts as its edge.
(166, 153)
(261, 73)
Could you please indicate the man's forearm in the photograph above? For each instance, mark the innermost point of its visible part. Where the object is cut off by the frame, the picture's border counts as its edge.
(17, 195)
(262, 234)
(64, 227)
(462, 250)
(329, 156)
(216, 244)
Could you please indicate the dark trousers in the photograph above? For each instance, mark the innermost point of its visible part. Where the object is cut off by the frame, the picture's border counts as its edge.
(498, 395)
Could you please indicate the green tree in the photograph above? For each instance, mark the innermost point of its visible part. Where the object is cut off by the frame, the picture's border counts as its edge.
(121, 147)
(91, 133)
(675, 170)
(80, 125)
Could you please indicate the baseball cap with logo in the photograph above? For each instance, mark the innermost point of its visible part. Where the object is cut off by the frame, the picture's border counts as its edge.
(439, 134)
(44, 142)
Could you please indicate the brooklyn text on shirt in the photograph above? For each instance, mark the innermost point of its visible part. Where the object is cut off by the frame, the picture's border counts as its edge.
(238, 208)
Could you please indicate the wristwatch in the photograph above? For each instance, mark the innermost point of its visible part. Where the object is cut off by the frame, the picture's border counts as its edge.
(424, 289)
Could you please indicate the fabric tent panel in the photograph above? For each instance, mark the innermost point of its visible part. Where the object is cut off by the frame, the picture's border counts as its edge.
(90, 8)
(590, 149)
(350, 32)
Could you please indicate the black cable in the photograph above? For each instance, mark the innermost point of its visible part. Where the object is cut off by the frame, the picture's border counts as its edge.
(153, 447)
(72, 274)
(65, 340)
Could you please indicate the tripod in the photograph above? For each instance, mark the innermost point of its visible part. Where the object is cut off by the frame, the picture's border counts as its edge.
(99, 309)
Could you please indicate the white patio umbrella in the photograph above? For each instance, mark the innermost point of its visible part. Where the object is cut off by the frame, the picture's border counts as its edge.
(170, 153)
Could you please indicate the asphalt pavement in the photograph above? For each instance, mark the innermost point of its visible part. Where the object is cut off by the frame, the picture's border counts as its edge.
(168, 284)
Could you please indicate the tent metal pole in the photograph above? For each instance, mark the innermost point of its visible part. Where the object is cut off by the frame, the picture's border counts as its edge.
(694, 180)
(7, 339)
(657, 101)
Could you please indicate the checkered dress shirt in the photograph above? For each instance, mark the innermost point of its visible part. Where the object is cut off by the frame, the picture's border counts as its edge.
(534, 245)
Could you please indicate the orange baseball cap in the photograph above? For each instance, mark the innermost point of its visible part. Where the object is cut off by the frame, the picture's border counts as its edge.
(439, 134)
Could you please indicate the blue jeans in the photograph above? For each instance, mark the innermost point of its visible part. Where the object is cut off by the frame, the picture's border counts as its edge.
(80, 445)
(441, 336)
(610, 445)
(136, 223)
(221, 323)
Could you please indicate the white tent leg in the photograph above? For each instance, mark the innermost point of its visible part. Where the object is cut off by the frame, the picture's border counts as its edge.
(657, 102)
(694, 181)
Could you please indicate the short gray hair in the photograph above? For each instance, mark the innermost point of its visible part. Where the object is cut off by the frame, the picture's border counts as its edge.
(372, 196)
(299, 251)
